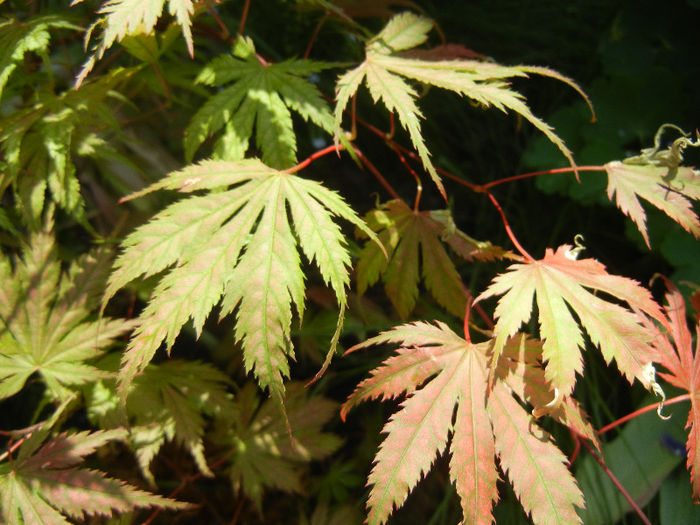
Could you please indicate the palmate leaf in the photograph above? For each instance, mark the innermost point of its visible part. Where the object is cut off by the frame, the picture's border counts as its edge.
(126, 17)
(167, 402)
(46, 324)
(559, 283)
(237, 244)
(675, 352)
(264, 457)
(409, 235)
(656, 175)
(19, 38)
(40, 142)
(483, 82)
(454, 373)
(44, 486)
(262, 96)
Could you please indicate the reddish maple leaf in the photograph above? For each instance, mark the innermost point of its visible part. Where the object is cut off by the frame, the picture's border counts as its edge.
(560, 285)
(440, 371)
(675, 353)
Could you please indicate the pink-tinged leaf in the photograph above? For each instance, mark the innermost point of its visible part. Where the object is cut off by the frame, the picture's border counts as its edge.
(672, 195)
(559, 281)
(439, 370)
(67, 450)
(675, 353)
(44, 483)
(80, 492)
(417, 433)
(399, 374)
(472, 467)
(535, 466)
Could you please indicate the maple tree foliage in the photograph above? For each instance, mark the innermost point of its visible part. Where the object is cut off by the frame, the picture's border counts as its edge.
(558, 282)
(483, 82)
(236, 246)
(44, 483)
(220, 117)
(656, 175)
(404, 233)
(681, 358)
(46, 317)
(440, 371)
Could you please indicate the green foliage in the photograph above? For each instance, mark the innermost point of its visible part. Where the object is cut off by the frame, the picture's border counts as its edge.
(43, 484)
(136, 368)
(264, 456)
(236, 246)
(46, 324)
(261, 96)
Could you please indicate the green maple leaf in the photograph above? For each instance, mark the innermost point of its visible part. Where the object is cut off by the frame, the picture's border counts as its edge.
(261, 96)
(40, 141)
(236, 245)
(43, 484)
(559, 284)
(263, 456)
(46, 319)
(167, 402)
(19, 38)
(410, 236)
(128, 17)
(483, 82)
(440, 372)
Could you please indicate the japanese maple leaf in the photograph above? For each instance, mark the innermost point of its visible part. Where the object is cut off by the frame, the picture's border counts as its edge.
(560, 285)
(410, 236)
(260, 95)
(656, 175)
(171, 401)
(442, 372)
(49, 322)
(630, 182)
(43, 484)
(384, 72)
(262, 455)
(675, 353)
(125, 17)
(238, 246)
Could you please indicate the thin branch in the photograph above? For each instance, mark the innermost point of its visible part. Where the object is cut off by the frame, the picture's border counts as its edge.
(509, 231)
(225, 34)
(617, 483)
(314, 35)
(320, 153)
(677, 399)
(376, 174)
(244, 17)
(537, 173)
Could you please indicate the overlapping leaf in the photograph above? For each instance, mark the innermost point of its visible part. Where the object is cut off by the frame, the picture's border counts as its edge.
(45, 315)
(168, 402)
(236, 243)
(125, 17)
(264, 455)
(483, 82)
(559, 283)
(657, 177)
(441, 371)
(676, 354)
(40, 142)
(44, 484)
(262, 96)
(19, 38)
(409, 235)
